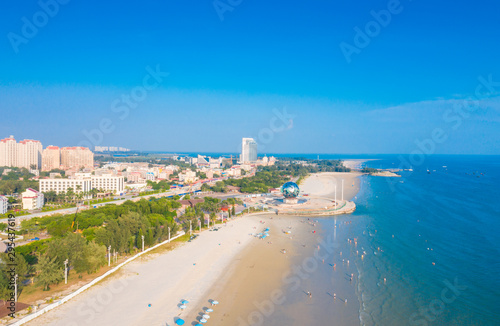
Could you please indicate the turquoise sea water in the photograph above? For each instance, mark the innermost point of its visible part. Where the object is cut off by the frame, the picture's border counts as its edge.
(442, 267)
(423, 249)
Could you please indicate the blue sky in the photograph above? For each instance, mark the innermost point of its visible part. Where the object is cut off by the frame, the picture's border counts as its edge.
(228, 77)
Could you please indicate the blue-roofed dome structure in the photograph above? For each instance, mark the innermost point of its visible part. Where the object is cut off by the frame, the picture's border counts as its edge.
(290, 190)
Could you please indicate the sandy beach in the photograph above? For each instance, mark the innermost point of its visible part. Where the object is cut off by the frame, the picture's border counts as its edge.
(162, 281)
(323, 184)
(267, 287)
(252, 278)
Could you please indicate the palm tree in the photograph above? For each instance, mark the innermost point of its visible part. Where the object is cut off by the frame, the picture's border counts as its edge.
(79, 196)
(60, 197)
(93, 192)
(70, 194)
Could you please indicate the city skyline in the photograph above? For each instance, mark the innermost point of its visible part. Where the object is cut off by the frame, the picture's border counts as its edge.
(294, 83)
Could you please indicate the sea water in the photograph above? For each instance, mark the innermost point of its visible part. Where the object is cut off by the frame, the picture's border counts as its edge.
(432, 243)
(420, 249)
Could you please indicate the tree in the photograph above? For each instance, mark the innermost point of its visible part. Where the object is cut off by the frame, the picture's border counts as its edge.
(95, 256)
(50, 196)
(51, 272)
(75, 246)
(94, 192)
(79, 196)
(233, 211)
(201, 175)
(70, 194)
(60, 197)
(205, 187)
(23, 270)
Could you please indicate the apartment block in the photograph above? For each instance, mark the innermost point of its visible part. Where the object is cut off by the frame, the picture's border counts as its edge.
(75, 158)
(51, 158)
(25, 154)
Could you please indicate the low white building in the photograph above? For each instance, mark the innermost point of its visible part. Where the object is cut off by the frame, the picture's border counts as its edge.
(60, 185)
(108, 182)
(150, 176)
(4, 204)
(234, 171)
(32, 199)
(188, 177)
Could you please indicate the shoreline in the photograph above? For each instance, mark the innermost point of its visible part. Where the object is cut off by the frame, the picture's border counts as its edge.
(190, 273)
(267, 287)
(255, 280)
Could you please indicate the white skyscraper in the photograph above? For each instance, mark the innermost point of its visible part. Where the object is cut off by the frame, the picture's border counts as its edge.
(248, 150)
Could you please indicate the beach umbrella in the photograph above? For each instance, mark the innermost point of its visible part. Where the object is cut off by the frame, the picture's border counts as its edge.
(206, 316)
(182, 306)
(215, 302)
(179, 322)
(203, 320)
(184, 301)
(209, 310)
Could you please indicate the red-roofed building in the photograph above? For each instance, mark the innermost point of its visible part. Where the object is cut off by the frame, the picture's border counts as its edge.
(25, 154)
(32, 199)
(76, 158)
(51, 158)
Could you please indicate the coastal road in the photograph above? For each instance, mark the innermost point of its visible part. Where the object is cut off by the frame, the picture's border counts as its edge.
(115, 202)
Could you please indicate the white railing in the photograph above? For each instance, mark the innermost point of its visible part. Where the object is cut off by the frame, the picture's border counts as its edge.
(88, 285)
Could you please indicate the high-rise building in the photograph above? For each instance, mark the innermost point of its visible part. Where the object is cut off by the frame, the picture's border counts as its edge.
(51, 158)
(25, 154)
(77, 157)
(29, 154)
(8, 152)
(248, 150)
